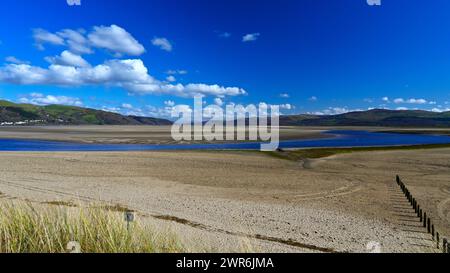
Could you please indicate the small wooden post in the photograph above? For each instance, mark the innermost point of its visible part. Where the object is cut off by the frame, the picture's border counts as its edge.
(432, 231)
(419, 212)
(424, 219)
(437, 239)
(429, 225)
(421, 215)
(444, 245)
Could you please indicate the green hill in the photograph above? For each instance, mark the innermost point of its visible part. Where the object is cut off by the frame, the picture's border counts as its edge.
(375, 117)
(68, 115)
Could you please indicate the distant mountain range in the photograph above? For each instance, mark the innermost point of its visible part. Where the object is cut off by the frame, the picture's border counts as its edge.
(28, 114)
(377, 117)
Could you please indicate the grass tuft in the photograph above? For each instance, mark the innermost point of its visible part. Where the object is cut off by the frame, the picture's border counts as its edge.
(27, 228)
(315, 153)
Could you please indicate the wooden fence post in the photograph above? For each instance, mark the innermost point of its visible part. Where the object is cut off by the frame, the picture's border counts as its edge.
(437, 239)
(424, 219)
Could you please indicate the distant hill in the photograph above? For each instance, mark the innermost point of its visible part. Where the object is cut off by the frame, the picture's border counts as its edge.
(377, 117)
(28, 114)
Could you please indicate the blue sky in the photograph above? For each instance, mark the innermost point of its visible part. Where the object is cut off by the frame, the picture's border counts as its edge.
(309, 56)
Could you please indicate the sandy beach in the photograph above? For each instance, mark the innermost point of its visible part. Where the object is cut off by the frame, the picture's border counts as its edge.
(126, 134)
(336, 204)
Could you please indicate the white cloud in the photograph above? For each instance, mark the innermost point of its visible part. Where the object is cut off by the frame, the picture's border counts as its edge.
(176, 72)
(42, 36)
(385, 99)
(169, 103)
(334, 111)
(127, 106)
(417, 101)
(112, 38)
(286, 106)
(218, 101)
(76, 41)
(285, 95)
(71, 70)
(162, 43)
(440, 110)
(67, 58)
(189, 90)
(410, 101)
(224, 35)
(399, 100)
(251, 37)
(115, 39)
(401, 108)
(40, 99)
(14, 60)
(313, 98)
(130, 74)
(171, 79)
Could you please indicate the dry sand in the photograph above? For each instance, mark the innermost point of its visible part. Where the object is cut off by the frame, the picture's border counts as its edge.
(125, 134)
(237, 200)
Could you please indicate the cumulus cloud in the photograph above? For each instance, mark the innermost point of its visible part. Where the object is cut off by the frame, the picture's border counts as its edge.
(162, 43)
(67, 58)
(285, 95)
(42, 36)
(112, 38)
(14, 60)
(313, 98)
(286, 106)
(130, 74)
(171, 78)
(334, 111)
(176, 72)
(218, 101)
(127, 106)
(76, 41)
(385, 99)
(169, 103)
(115, 39)
(40, 99)
(410, 101)
(250, 37)
(70, 69)
(440, 110)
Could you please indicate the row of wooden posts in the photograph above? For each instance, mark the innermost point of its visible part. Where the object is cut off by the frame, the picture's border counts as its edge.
(424, 218)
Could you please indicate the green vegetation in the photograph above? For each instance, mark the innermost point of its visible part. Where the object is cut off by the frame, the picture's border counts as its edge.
(69, 115)
(48, 229)
(326, 152)
(377, 117)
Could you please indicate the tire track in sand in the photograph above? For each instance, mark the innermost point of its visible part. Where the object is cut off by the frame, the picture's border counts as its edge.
(288, 242)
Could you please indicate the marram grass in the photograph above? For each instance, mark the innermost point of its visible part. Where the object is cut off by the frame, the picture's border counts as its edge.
(27, 228)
